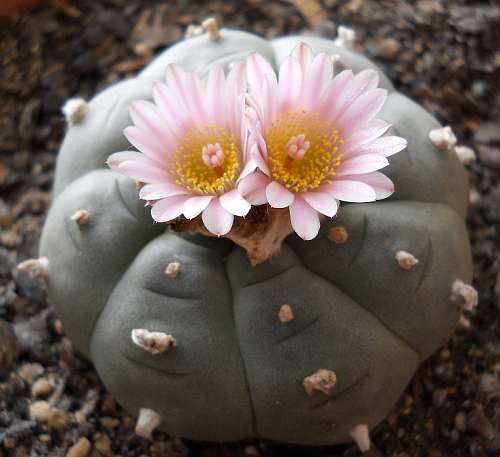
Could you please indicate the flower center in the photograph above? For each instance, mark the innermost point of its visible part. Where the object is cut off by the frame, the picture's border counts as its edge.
(206, 160)
(303, 151)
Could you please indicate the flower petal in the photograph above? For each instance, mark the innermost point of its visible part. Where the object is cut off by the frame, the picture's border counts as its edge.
(290, 84)
(361, 164)
(364, 134)
(264, 87)
(329, 105)
(216, 85)
(362, 110)
(160, 190)
(303, 53)
(322, 202)
(195, 205)
(351, 191)
(174, 113)
(316, 80)
(143, 171)
(148, 118)
(379, 182)
(216, 219)
(145, 143)
(253, 188)
(115, 159)
(169, 208)
(233, 202)
(304, 219)
(361, 83)
(278, 196)
(385, 146)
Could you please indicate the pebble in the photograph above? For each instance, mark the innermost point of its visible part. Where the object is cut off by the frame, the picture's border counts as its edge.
(490, 156)
(110, 422)
(479, 423)
(30, 371)
(387, 48)
(57, 419)
(80, 449)
(489, 383)
(103, 444)
(39, 411)
(41, 388)
(461, 421)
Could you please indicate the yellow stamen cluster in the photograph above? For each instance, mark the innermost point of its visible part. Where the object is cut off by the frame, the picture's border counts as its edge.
(319, 162)
(191, 172)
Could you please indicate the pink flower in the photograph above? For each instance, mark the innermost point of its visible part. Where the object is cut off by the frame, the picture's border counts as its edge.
(192, 147)
(314, 138)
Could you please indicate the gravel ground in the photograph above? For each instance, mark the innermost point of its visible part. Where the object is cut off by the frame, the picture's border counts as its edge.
(445, 54)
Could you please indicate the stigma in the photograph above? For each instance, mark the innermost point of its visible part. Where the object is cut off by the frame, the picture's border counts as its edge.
(297, 146)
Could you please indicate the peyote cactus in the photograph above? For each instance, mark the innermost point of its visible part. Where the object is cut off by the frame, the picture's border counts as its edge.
(313, 346)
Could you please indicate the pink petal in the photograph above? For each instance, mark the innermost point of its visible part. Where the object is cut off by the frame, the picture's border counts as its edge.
(177, 80)
(195, 205)
(144, 171)
(379, 182)
(160, 190)
(234, 203)
(255, 161)
(270, 98)
(303, 53)
(216, 85)
(364, 134)
(362, 82)
(304, 219)
(290, 84)
(145, 143)
(253, 188)
(115, 159)
(329, 105)
(196, 99)
(322, 202)
(258, 70)
(147, 117)
(169, 208)
(216, 219)
(360, 164)
(264, 87)
(278, 196)
(234, 102)
(316, 80)
(362, 110)
(385, 146)
(351, 191)
(174, 113)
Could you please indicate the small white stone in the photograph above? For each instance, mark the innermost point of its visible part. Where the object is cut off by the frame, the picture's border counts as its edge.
(35, 268)
(465, 154)
(406, 260)
(464, 296)
(75, 110)
(81, 217)
(345, 37)
(361, 436)
(193, 30)
(443, 138)
(147, 422)
(152, 342)
(211, 26)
